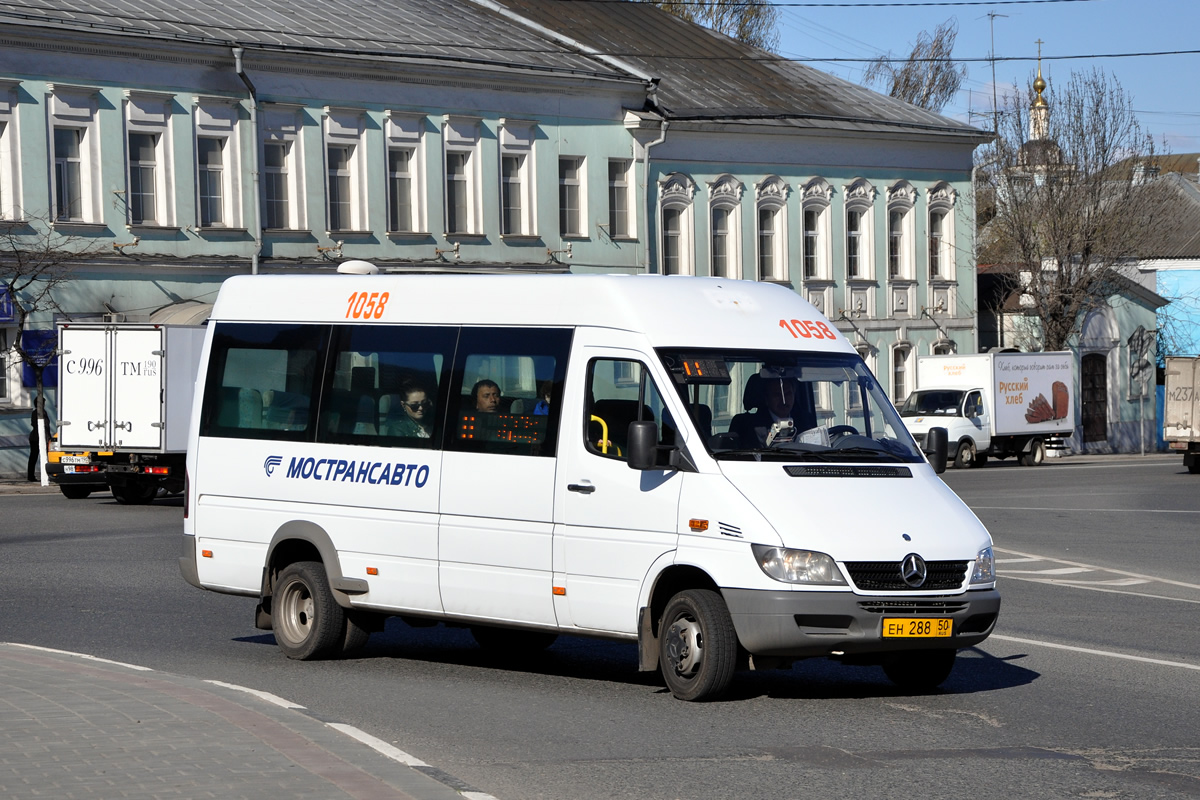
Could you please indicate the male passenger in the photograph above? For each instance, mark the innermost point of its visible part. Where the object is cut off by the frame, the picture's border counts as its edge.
(486, 396)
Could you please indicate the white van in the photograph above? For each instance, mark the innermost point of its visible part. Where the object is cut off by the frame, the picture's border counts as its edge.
(702, 466)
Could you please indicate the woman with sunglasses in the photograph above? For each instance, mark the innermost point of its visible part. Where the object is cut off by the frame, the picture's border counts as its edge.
(417, 420)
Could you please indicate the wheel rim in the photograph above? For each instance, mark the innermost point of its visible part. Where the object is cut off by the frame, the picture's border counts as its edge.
(684, 646)
(296, 612)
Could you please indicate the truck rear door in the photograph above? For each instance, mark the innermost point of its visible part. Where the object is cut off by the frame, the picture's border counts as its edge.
(83, 388)
(137, 388)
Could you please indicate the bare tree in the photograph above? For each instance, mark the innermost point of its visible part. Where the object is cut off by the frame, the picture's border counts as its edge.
(35, 261)
(1071, 206)
(929, 78)
(750, 21)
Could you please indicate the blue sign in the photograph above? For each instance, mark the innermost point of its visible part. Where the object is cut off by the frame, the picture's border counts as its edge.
(39, 345)
(7, 314)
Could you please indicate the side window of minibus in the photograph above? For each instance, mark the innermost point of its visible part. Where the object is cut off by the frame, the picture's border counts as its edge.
(614, 386)
(385, 385)
(506, 391)
(261, 381)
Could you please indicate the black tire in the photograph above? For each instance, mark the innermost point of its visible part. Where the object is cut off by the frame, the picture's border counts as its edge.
(980, 460)
(1036, 454)
(75, 492)
(919, 670)
(697, 646)
(308, 623)
(1194, 468)
(965, 457)
(134, 493)
(512, 642)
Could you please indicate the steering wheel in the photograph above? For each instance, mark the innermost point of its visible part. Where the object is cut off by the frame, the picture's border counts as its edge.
(842, 430)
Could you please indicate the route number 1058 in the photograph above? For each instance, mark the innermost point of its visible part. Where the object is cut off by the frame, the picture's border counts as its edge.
(362, 305)
(807, 329)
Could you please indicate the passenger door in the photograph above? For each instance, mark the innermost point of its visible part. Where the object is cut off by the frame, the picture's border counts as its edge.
(612, 522)
(977, 414)
(495, 539)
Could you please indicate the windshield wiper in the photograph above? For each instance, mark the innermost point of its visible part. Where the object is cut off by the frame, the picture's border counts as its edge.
(862, 451)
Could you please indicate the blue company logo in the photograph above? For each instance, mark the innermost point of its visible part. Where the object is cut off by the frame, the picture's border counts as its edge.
(378, 473)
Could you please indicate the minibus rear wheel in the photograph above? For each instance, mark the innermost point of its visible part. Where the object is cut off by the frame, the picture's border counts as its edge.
(698, 647)
(919, 670)
(308, 622)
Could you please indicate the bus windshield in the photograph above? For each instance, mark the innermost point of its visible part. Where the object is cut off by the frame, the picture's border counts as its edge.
(788, 405)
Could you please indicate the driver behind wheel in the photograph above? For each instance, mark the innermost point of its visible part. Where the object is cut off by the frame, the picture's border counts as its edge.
(774, 419)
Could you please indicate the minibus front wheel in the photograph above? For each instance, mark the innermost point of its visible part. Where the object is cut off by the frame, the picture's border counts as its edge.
(697, 645)
(308, 622)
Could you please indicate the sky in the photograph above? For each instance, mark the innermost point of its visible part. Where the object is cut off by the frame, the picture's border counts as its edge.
(1164, 89)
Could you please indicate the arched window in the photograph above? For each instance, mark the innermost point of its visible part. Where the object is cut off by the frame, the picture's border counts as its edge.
(676, 250)
(860, 201)
(815, 199)
(724, 241)
(771, 228)
(941, 231)
(901, 197)
(943, 347)
(900, 358)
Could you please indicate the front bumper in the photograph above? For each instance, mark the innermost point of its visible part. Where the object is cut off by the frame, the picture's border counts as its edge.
(808, 624)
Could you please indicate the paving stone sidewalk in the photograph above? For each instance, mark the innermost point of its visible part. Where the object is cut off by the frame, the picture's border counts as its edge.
(77, 727)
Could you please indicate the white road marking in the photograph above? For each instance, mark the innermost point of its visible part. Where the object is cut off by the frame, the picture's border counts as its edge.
(1090, 651)
(81, 655)
(1082, 585)
(1099, 510)
(1058, 571)
(1102, 569)
(380, 746)
(1018, 560)
(265, 696)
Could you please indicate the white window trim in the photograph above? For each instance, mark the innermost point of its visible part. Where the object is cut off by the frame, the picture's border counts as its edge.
(582, 233)
(726, 193)
(217, 118)
(771, 194)
(150, 113)
(817, 195)
(283, 124)
(7, 357)
(516, 140)
(941, 200)
(630, 233)
(461, 135)
(406, 131)
(76, 107)
(346, 127)
(860, 198)
(10, 148)
(676, 191)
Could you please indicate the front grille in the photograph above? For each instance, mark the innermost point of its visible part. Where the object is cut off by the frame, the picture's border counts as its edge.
(913, 607)
(833, 471)
(884, 576)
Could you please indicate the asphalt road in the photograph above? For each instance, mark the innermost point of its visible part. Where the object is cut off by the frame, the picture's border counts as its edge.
(1090, 687)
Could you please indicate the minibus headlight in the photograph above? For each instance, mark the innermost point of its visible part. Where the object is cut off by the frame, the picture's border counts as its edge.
(985, 567)
(798, 566)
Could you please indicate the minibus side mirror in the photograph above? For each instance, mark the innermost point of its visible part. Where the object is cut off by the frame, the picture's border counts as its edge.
(936, 446)
(643, 444)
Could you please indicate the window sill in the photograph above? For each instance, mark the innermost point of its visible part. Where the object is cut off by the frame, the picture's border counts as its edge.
(288, 232)
(520, 237)
(574, 237)
(861, 282)
(138, 227)
(478, 237)
(78, 225)
(942, 282)
(623, 238)
(409, 235)
(356, 233)
(7, 224)
(219, 231)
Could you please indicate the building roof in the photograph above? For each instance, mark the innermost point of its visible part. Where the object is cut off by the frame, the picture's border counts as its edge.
(444, 31)
(709, 76)
(1181, 239)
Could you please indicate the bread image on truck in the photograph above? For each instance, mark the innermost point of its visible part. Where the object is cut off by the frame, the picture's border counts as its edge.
(996, 405)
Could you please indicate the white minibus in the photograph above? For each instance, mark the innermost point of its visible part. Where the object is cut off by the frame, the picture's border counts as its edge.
(702, 466)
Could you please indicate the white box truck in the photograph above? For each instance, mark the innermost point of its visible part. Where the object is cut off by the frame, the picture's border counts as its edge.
(1181, 428)
(994, 404)
(124, 403)
(703, 467)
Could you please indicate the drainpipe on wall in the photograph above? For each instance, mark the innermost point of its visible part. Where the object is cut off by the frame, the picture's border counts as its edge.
(237, 65)
(662, 136)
